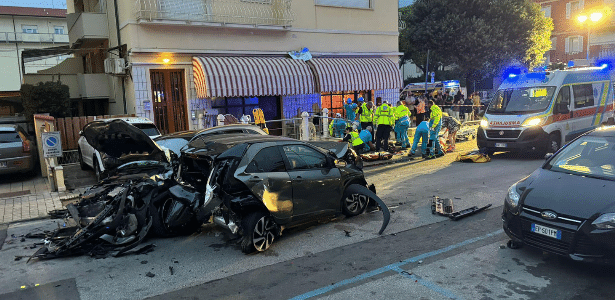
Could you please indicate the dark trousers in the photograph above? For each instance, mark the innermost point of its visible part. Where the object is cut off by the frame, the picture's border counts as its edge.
(420, 118)
(382, 134)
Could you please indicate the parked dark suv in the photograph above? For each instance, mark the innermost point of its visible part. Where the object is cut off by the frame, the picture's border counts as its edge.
(17, 150)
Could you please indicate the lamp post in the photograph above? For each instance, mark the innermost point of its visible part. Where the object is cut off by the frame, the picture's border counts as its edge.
(594, 18)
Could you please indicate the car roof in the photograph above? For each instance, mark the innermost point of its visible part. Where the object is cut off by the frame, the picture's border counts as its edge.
(237, 138)
(8, 127)
(230, 126)
(186, 135)
(130, 120)
(608, 131)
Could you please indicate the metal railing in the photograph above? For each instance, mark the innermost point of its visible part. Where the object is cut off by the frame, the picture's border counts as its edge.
(13, 37)
(250, 12)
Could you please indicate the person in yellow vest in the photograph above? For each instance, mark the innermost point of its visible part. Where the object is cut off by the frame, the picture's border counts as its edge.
(354, 138)
(435, 124)
(366, 114)
(385, 119)
(402, 123)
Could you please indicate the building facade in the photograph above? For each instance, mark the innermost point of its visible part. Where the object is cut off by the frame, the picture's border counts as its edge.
(25, 28)
(173, 61)
(570, 38)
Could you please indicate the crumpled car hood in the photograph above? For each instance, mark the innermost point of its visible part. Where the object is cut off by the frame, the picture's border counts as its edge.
(118, 138)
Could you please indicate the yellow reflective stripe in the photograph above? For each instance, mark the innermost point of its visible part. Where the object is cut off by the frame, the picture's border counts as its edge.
(605, 92)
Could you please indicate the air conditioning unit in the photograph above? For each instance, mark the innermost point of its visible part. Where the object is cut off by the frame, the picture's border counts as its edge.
(115, 66)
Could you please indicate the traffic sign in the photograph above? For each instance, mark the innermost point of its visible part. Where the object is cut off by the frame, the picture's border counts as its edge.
(52, 147)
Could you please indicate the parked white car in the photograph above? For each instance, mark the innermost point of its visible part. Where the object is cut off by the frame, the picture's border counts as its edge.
(91, 158)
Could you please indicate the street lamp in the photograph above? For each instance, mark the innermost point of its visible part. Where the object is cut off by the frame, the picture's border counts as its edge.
(594, 17)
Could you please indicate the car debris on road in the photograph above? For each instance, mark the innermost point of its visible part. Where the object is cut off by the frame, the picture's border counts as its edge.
(444, 207)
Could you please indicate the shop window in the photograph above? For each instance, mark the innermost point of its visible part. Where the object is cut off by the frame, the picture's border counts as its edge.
(334, 102)
(583, 95)
(239, 106)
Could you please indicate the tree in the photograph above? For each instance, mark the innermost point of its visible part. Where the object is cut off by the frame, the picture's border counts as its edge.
(477, 36)
(46, 97)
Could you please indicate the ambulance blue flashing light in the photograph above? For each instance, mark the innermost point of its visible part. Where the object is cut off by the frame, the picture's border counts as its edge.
(511, 75)
(605, 65)
(570, 64)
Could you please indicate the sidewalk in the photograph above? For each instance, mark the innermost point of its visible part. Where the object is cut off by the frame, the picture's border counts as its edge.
(30, 197)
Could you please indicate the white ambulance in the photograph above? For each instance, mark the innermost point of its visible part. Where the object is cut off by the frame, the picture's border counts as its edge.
(538, 112)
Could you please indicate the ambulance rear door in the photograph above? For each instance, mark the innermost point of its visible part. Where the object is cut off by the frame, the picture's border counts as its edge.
(586, 97)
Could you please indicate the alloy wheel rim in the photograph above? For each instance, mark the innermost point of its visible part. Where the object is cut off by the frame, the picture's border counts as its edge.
(263, 234)
(356, 202)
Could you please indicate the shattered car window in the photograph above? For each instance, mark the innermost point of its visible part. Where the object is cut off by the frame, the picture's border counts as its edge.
(302, 157)
(267, 160)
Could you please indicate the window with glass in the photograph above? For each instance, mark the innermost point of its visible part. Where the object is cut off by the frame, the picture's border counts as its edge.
(267, 160)
(58, 29)
(562, 102)
(334, 102)
(29, 28)
(583, 95)
(523, 100)
(592, 156)
(346, 3)
(236, 106)
(303, 157)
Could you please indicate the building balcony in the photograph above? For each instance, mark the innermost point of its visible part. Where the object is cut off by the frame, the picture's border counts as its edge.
(273, 13)
(20, 37)
(86, 26)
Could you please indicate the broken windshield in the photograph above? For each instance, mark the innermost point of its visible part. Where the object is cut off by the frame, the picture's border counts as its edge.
(523, 100)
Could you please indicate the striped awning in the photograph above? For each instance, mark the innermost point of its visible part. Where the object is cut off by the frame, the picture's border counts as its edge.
(251, 76)
(356, 74)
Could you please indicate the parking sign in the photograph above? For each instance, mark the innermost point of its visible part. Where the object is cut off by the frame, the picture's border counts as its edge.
(52, 147)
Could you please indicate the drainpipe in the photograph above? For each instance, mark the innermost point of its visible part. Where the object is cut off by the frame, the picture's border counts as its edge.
(119, 44)
(23, 68)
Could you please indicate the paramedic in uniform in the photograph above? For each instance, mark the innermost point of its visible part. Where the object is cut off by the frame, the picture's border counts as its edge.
(385, 120)
(435, 124)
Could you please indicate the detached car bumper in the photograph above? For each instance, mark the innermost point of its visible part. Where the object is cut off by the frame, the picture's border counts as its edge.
(579, 241)
(533, 139)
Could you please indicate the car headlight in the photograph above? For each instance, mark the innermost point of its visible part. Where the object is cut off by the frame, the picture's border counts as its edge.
(606, 221)
(484, 123)
(533, 122)
(209, 190)
(512, 199)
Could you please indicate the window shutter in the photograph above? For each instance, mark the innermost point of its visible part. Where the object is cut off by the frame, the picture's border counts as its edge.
(567, 45)
(580, 44)
(568, 10)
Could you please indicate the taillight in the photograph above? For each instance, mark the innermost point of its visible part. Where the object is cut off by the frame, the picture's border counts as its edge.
(25, 145)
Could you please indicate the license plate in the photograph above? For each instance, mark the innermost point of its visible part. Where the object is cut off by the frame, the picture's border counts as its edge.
(550, 232)
(2, 164)
(500, 145)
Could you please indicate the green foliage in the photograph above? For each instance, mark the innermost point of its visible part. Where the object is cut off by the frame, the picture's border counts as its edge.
(475, 34)
(46, 97)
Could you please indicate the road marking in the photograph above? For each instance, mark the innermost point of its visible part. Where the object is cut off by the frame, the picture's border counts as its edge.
(394, 267)
(428, 284)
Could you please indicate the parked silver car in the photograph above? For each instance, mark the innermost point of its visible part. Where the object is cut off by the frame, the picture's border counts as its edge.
(17, 150)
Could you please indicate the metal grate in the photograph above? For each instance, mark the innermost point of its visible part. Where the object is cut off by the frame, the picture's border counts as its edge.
(503, 134)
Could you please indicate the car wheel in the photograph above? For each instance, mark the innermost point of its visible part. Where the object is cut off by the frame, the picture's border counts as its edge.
(554, 143)
(354, 204)
(259, 231)
(160, 214)
(81, 162)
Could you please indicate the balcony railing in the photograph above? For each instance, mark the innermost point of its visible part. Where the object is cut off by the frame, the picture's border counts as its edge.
(247, 12)
(20, 37)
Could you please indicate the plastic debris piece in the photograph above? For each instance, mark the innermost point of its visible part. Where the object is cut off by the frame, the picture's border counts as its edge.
(37, 284)
(150, 274)
(23, 286)
(171, 270)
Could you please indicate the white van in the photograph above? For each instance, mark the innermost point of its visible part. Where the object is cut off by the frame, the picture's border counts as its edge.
(538, 112)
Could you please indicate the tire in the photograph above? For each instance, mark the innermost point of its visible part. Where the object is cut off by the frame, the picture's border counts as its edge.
(354, 204)
(159, 214)
(259, 232)
(81, 163)
(554, 143)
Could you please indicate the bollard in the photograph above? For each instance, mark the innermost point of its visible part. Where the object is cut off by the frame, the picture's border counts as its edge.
(200, 122)
(305, 126)
(325, 122)
(220, 120)
(58, 177)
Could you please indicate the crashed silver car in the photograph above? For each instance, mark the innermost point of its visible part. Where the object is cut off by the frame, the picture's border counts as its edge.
(264, 184)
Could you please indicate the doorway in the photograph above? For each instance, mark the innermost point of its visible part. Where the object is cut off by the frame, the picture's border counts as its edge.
(169, 98)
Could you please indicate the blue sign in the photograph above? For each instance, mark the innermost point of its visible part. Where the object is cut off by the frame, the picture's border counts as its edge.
(51, 144)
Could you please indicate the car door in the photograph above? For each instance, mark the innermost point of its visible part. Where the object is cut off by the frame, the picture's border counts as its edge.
(562, 112)
(86, 151)
(266, 176)
(317, 186)
(585, 99)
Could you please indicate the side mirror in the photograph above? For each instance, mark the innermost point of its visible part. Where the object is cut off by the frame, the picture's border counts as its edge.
(548, 155)
(80, 132)
(340, 163)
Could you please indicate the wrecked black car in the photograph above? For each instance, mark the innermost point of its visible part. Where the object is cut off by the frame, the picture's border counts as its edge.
(262, 185)
(141, 196)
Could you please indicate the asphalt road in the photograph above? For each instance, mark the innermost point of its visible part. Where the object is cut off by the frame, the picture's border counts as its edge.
(419, 256)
